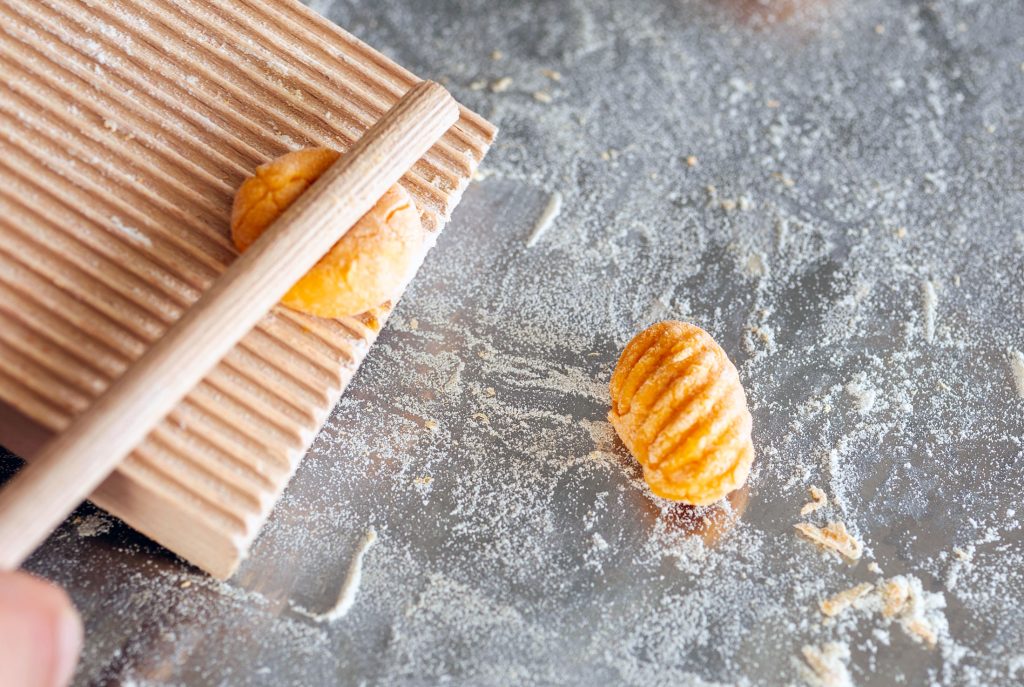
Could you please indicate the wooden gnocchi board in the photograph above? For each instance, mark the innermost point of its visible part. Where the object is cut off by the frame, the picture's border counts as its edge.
(125, 128)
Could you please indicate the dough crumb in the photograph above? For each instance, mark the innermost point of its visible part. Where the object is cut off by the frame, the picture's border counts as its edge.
(837, 603)
(826, 667)
(894, 594)
(922, 629)
(905, 600)
(547, 218)
(931, 302)
(350, 587)
(833, 537)
(501, 85)
(818, 499)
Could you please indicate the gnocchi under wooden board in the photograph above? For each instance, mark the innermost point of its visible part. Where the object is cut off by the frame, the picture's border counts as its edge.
(126, 129)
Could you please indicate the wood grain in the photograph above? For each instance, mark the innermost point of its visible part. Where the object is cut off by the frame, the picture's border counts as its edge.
(124, 129)
(69, 467)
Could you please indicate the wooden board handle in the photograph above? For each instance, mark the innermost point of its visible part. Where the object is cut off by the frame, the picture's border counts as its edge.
(72, 465)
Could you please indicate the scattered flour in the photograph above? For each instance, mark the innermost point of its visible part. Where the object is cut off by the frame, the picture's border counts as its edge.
(93, 525)
(862, 393)
(130, 232)
(1017, 370)
(496, 574)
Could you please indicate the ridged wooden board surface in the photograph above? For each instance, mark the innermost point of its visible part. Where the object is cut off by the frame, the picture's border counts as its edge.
(125, 128)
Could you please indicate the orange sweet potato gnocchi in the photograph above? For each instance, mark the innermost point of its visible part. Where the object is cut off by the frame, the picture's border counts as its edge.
(678, 406)
(364, 268)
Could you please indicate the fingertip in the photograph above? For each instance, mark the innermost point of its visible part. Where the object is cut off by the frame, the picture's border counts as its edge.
(40, 632)
(67, 642)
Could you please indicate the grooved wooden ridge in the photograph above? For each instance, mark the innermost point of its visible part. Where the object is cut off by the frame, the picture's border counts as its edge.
(125, 128)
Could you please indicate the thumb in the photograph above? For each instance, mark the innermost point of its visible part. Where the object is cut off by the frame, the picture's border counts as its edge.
(40, 633)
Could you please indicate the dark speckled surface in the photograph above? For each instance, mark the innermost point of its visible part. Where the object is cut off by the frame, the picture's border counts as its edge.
(849, 155)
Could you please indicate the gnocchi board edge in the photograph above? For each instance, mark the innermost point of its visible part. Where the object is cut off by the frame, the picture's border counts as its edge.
(127, 128)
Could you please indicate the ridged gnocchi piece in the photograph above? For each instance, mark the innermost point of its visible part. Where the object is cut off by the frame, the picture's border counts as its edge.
(678, 406)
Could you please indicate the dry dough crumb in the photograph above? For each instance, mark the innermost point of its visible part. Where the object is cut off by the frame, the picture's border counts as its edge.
(922, 629)
(552, 74)
(787, 181)
(431, 425)
(501, 85)
(818, 499)
(826, 667)
(895, 594)
(904, 598)
(546, 220)
(900, 599)
(931, 302)
(691, 160)
(350, 587)
(542, 96)
(837, 603)
(833, 537)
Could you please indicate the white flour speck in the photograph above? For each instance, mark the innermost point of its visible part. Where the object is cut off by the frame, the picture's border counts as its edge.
(94, 525)
(1017, 370)
(130, 232)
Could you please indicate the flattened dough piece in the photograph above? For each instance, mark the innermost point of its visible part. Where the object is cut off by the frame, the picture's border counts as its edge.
(365, 268)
